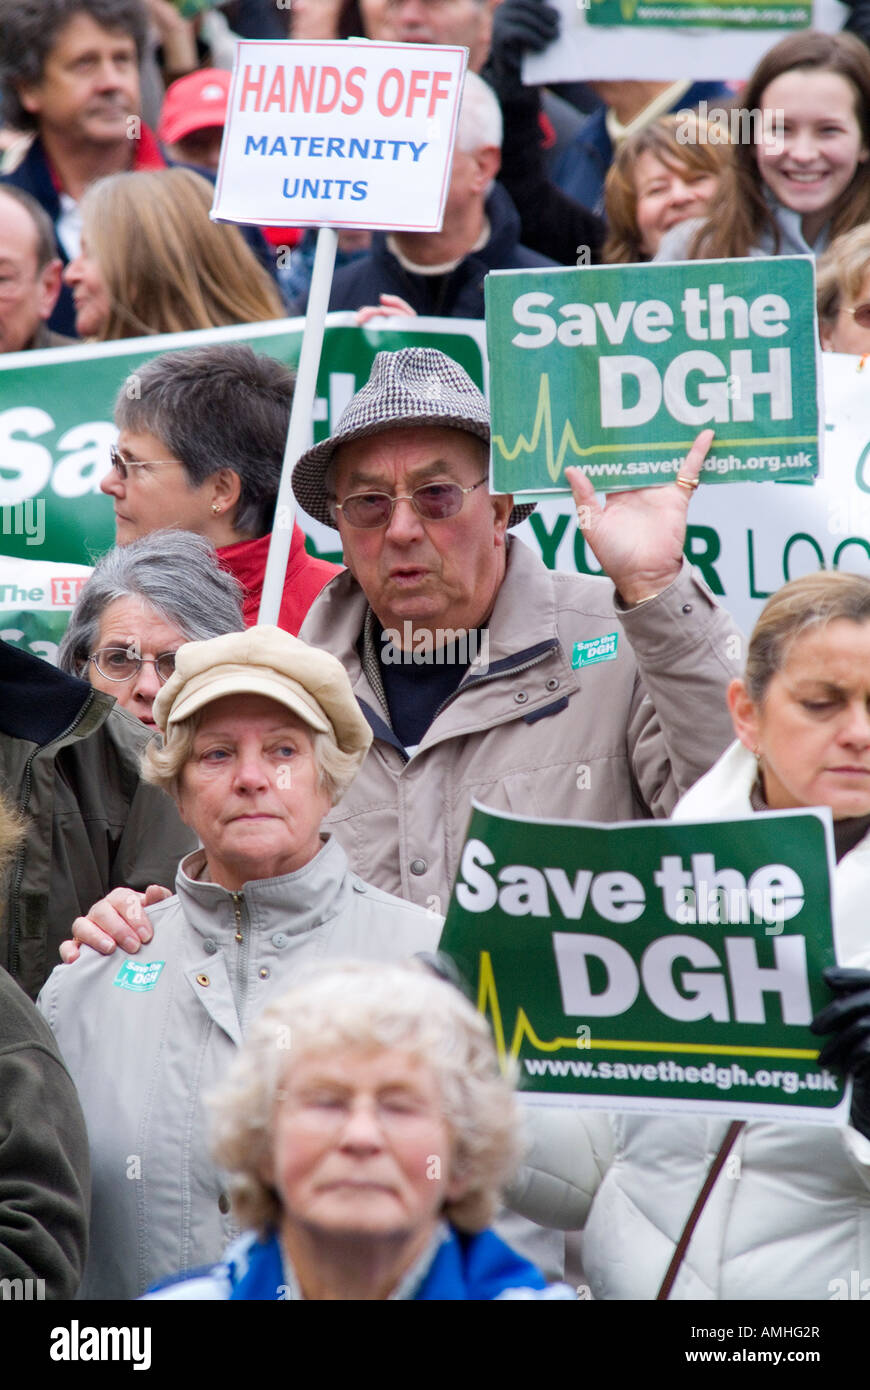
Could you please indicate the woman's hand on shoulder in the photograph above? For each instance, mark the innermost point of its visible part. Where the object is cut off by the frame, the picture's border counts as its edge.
(118, 919)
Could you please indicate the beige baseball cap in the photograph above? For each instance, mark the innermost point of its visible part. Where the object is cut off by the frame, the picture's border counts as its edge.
(266, 661)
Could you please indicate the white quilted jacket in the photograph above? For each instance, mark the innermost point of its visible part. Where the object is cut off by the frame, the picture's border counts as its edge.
(789, 1216)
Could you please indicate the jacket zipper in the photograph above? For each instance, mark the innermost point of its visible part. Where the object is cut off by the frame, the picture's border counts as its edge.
(23, 804)
(494, 676)
(242, 939)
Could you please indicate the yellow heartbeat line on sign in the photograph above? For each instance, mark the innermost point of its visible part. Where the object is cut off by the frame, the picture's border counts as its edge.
(543, 424)
(543, 421)
(487, 998)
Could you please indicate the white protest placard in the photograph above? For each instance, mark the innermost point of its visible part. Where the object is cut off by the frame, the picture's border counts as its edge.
(347, 134)
(698, 40)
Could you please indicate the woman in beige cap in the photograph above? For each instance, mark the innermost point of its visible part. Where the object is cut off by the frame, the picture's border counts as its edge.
(262, 735)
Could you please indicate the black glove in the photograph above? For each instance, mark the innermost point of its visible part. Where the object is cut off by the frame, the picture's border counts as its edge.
(858, 22)
(848, 1050)
(518, 25)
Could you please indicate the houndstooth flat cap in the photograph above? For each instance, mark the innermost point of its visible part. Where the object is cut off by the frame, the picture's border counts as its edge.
(415, 386)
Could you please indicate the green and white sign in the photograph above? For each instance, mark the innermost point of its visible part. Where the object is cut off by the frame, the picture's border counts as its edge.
(37, 597)
(701, 14)
(56, 416)
(747, 540)
(653, 966)
(139, 976)
(618, 368)
(670, 40)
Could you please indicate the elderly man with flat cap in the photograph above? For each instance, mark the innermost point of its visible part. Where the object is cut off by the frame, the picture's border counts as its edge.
(481, 673)
(473, 663)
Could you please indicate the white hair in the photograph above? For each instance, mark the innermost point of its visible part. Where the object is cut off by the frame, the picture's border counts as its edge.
(480, 121)
(367, 1005)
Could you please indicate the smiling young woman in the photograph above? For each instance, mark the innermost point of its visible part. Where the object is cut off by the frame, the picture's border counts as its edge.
(805, 177)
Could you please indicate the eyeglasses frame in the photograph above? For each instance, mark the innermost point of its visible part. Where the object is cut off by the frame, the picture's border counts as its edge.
(406, 497)
(122, 465)
(142, 660)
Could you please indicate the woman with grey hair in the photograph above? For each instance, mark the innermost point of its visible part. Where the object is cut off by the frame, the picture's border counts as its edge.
(262, 735)
(368, 1132)
(142, 602)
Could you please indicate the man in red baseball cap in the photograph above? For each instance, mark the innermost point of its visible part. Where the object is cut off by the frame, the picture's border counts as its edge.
(193, 116)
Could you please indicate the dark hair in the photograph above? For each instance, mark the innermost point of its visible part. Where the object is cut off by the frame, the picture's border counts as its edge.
(46, 247)
(742, 214)
(223, 406)
(30, 29)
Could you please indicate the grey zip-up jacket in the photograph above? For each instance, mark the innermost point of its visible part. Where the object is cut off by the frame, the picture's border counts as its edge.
(146, 1037)
(550, 727)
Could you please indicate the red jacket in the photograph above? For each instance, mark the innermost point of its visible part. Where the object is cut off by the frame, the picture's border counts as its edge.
(306, 576)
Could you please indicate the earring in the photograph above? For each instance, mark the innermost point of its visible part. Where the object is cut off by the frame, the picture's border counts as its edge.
(215, 508)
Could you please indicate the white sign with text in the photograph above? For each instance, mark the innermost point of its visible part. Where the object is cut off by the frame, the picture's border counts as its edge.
(346, 134)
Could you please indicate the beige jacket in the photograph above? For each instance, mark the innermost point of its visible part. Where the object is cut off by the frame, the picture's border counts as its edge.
(617, 739)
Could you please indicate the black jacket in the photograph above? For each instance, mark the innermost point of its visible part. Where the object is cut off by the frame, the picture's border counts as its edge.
(69, 758)
(459, 294)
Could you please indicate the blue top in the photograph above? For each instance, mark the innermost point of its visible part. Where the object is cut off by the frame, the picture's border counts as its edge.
(466, 1267)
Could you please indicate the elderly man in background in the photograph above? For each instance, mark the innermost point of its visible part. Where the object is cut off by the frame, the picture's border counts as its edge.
(30, 272)
(442, 272)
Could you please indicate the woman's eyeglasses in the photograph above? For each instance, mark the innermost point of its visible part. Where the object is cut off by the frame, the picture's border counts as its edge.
(861, 315)
(122, 466)
(121, 664)
(433, 502)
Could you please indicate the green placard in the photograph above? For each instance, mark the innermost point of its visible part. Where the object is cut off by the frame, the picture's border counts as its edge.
(701, 14)
(56, 417)
(653, 966)
(618, 368)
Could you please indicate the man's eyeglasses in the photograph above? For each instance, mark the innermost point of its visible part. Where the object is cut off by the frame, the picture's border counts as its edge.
(861, 315)
(122, 465)
(432, 501)
(122, 664)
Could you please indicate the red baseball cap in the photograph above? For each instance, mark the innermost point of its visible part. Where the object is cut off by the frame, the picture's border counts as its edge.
(193, 103)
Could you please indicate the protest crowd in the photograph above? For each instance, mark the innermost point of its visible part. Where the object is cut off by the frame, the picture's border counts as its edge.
(233, 1062)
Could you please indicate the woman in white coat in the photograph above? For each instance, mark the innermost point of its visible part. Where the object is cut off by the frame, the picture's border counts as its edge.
(789, 1213)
